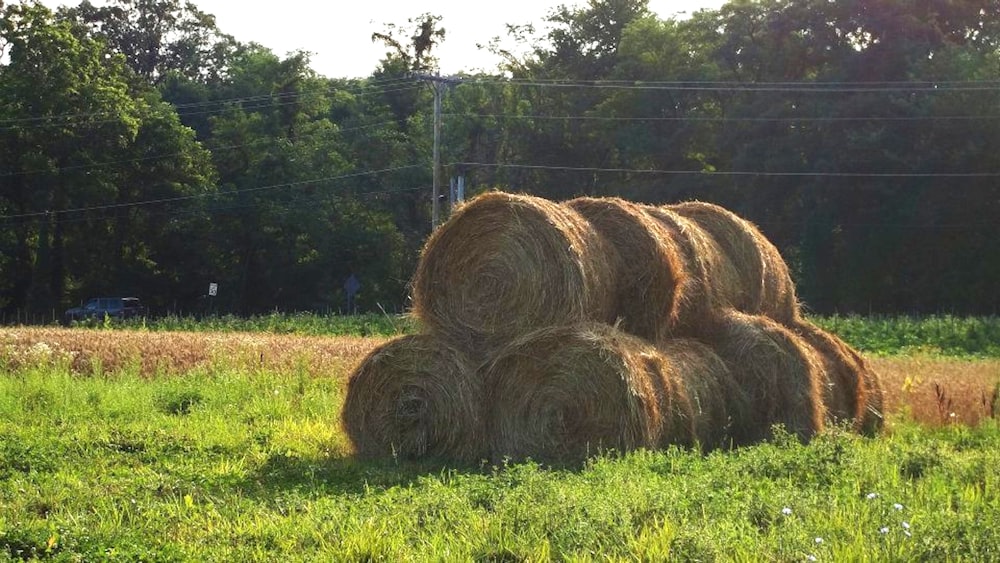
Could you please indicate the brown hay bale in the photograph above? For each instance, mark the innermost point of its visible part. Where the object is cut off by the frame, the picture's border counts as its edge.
(765, 285)
(843, 390)
(505, 264)
(563, 393)
(414, 397)
(645, 261)
(872, 417)
(712, 395)
(853, 388)
(779, 373)
(709, 276)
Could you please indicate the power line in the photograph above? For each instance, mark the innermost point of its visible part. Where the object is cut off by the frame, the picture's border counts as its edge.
(296, 183)
(276, 100)
(860, 87)
(736, 172)
(221, 148)
(718, 119)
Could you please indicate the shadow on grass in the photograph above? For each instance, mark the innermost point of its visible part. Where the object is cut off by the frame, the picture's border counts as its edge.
(345, 475)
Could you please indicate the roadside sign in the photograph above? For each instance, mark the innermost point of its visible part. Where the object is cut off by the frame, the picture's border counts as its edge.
(213, 289)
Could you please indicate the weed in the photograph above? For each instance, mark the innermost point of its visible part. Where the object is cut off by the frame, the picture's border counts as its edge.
(180, 402)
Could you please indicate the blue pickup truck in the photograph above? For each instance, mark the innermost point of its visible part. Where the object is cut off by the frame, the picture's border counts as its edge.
(99, 308)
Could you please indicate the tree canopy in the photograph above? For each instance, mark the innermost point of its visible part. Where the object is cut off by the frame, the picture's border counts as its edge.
(145, 151)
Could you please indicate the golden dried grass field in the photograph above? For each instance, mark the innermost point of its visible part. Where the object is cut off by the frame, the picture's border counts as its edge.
(931, 389)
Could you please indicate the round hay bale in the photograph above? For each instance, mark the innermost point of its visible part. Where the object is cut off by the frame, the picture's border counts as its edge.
(414, 397)
(843, 387)
(778, 371)
(709, 276)
(565, 393)
(711, 395)
(505, 264)
(872, 419)
(765, 285)
(645, 262)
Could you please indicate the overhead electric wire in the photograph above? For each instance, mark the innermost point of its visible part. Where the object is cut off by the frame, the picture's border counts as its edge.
(720, 119)
(802, 87)
(276, 99)
(295, 183)
(731, 86)
(734, 172)
(221, 208)
(221, 148)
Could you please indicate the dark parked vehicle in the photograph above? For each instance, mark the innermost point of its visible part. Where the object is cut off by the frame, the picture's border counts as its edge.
(98, 308)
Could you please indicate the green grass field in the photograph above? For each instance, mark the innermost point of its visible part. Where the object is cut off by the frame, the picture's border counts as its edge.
(235, 459)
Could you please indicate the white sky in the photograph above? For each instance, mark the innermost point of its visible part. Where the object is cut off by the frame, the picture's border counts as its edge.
(338, 33)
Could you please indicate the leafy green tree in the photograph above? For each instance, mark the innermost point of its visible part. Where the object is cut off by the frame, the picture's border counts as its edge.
(291, 223)
(83, 147)
(158, 38)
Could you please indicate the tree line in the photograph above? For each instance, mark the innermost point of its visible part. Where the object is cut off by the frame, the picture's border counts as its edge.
(145, 151)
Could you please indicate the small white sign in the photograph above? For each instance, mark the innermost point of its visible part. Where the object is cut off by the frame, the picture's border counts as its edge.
(213, 289)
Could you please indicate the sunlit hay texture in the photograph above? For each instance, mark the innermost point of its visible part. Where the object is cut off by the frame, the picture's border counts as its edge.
(414, 397)
(102, 352)
(765, 284)
(561, 394)
(709, 276)
(645, 261)
(846, 379)
(709, 392)
(505, 264)
(912, 383)
(873, 410)
(779, 373)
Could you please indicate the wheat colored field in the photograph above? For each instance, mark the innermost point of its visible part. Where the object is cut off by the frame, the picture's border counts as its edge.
(931, 389)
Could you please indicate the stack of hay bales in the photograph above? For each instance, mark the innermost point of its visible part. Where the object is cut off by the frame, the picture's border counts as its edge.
(557, 330)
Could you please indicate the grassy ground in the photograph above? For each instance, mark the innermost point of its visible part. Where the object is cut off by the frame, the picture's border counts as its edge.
(223, 447)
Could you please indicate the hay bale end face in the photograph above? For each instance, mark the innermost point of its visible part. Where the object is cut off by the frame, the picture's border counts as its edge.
(765, 285)
(565, 393)
(414, 397)
(506, 264)
(778, 371)
(645, 261)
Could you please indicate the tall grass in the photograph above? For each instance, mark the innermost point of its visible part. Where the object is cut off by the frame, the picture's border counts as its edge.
(307, 324)
(937, 334)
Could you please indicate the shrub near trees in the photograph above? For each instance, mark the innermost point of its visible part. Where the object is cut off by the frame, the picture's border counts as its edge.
(143, 150)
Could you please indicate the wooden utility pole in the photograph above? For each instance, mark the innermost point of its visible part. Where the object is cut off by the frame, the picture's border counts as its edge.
(438, 83)
(436, 190)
